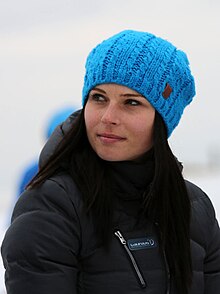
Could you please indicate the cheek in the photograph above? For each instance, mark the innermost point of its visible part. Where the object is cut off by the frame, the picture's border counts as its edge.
(91, 121)
(88, 118)
(144, 124)
(143, 130)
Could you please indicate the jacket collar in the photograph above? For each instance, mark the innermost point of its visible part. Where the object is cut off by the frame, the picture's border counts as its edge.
(129, 179)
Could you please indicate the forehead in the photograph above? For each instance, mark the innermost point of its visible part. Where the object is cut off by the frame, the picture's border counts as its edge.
(112, 87)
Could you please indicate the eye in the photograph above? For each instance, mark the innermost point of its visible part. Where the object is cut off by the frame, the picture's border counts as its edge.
(97, 97)
(132, 102)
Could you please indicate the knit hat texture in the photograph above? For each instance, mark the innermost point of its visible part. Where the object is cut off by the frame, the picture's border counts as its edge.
(147, 64)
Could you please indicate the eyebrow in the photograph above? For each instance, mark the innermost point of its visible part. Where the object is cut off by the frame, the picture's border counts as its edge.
(123, 95)
(97, 89)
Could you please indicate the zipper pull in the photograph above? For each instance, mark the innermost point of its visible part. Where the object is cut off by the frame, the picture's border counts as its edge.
(132, 259)
(121, 238)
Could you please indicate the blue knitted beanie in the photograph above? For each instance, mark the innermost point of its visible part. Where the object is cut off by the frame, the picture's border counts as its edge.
(147, 64)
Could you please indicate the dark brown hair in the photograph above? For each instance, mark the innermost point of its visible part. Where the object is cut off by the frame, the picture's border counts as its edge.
(166, 203)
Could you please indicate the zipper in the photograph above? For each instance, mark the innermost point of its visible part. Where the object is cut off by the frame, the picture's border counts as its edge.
(167, 268)
(132, 259)
(167, 271)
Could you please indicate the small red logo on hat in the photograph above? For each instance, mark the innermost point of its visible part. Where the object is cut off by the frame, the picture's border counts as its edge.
(167, 91)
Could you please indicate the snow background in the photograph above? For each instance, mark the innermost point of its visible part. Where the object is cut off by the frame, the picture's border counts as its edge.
(43, 47)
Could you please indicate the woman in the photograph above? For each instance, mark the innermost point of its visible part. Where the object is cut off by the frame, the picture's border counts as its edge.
(109, 211)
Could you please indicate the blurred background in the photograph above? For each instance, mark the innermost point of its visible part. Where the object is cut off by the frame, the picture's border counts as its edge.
(43, 47)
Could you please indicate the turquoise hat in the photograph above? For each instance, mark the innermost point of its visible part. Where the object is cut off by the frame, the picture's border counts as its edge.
(147, 64)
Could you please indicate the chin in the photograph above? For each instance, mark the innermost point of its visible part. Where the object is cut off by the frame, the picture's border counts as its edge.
(114, 157)
(110, 158)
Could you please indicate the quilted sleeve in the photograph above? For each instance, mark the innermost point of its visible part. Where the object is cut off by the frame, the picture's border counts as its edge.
(212, 259)
(41, 246)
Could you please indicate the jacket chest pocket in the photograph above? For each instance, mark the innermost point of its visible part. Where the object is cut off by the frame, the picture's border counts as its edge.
(147, 260)
(136, 257)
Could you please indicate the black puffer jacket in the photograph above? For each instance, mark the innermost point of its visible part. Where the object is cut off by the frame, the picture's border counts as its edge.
(50, 246)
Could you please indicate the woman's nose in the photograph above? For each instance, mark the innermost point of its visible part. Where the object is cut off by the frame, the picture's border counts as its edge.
(110, 115)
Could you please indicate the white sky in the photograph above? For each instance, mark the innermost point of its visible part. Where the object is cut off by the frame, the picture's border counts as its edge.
(43, 46)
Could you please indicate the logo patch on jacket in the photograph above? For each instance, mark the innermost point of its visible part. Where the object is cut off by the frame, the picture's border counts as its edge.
(142, 243)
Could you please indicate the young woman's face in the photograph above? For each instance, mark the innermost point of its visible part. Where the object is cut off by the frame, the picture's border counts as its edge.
(119, 122)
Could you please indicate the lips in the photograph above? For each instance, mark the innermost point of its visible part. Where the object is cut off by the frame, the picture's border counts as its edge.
(110, 138)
